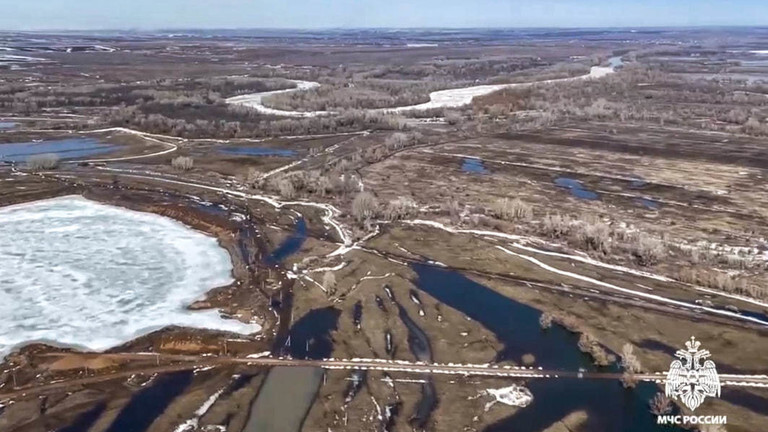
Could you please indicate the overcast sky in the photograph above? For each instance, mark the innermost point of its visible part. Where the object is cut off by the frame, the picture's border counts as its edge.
(167, 14)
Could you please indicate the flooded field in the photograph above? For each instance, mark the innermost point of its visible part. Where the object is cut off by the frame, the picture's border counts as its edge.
(610, 407)
(70, 148)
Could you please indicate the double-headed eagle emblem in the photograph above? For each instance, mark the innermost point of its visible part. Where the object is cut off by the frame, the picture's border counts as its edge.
(691, 382)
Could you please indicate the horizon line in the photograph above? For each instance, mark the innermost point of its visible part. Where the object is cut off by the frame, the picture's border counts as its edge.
(338, 28)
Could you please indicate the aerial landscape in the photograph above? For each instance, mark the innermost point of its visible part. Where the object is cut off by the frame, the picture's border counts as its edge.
(530, 228)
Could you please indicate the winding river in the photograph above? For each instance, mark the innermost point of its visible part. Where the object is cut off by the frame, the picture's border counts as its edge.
(449, 98)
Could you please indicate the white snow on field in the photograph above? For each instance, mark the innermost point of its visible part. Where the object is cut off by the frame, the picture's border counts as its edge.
(513, 395)
(77, 272)
(16, 58)
(254, 100)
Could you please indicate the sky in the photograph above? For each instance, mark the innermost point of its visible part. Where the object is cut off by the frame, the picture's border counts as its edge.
(169, 14)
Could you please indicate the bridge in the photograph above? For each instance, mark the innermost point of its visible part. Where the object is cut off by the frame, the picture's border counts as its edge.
(174, 363)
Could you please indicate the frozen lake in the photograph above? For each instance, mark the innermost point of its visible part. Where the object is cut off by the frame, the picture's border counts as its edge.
(77, 272)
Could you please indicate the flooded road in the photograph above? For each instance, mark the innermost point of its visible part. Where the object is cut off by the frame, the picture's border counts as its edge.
(289, 392)
(284, 399)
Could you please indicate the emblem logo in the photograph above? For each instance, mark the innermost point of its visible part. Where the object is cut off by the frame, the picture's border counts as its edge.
(691, 382)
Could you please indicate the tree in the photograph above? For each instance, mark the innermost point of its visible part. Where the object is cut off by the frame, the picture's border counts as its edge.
(329, 281)
(41, 162)
(183, 163)
(631, 365)
(365, 206)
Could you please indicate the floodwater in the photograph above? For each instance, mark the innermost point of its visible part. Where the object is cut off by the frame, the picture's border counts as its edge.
(84, 421)
(291, 245)
(615, 62)
(611, 408)
(474, 166)
(258, 151)
(69, 148)
(420, 347)
(151, 402)
(577, 188)
(649, 203)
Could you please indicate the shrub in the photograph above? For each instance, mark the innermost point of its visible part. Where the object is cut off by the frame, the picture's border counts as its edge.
(329, 281)
(453, 208)
(45, 161)
(629, 360)
(545, 320)
(660, 404)
(286, 188)
(647, 251)
(453, 118)
(556, 226)
(507, 209)
(588, 344)
(183, 163)
(400, 208)
(594, 236)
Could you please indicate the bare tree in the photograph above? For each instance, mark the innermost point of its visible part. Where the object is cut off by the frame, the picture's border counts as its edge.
(545, 320)
(647, 250)
(183, 163)
(631, 365)
(329, 281)
(286, 188)
(400, 208)
(507, 209)
(365, 206)
(42, 162)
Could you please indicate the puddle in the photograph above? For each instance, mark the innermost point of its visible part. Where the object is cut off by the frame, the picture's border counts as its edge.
(70, 148)
(258, 151)
(151, 402)
(576, 188)
(7, 125)
(474, 166)
(649, 203)
(611, 408)
(291, 245)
